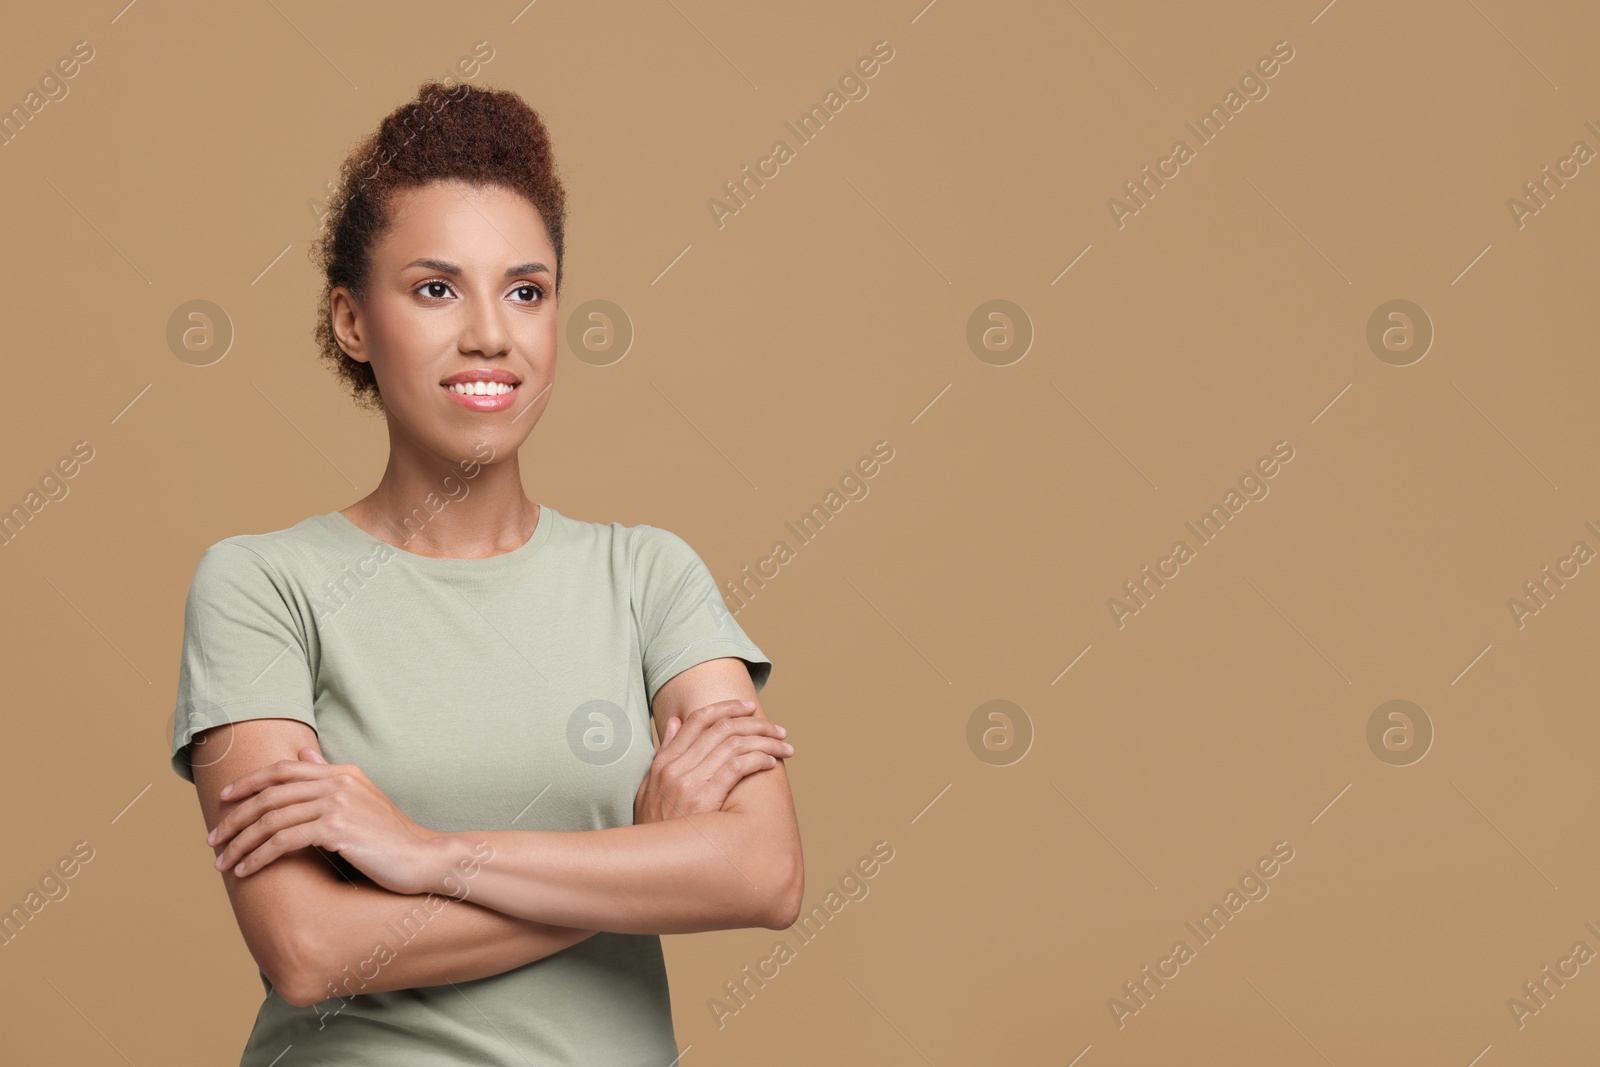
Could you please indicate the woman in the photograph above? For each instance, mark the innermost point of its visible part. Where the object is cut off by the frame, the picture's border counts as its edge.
(420, 726)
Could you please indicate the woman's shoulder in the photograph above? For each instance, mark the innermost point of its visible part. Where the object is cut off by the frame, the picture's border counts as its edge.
(650, 553)
(611, 533)
(311, 541)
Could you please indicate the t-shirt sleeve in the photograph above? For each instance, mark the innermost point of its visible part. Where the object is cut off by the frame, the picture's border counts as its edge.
(244, 652)
(681, 615)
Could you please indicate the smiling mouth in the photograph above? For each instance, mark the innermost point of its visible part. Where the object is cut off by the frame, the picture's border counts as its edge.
(481, 388)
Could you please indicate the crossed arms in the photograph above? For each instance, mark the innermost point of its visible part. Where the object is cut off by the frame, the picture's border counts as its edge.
(306, 921)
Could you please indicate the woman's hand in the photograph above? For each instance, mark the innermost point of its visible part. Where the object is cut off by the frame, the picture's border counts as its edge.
(295, 804)
(698, 765)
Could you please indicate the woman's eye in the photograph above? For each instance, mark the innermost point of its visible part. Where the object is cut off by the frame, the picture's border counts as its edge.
(529, 293)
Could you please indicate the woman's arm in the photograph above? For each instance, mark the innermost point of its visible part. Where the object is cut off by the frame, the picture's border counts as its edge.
(401, 942)
(738, 867)
(314, 933)
(728, 868)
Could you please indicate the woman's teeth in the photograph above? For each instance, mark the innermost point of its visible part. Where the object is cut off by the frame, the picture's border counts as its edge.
(481, 388)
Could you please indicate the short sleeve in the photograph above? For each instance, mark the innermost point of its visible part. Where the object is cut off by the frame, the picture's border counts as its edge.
(244, 652)
(681, 615)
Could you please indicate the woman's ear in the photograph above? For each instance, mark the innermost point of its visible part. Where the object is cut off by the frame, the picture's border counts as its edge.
(346, 323)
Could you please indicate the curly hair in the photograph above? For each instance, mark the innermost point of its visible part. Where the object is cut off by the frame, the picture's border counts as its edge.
(479, 135)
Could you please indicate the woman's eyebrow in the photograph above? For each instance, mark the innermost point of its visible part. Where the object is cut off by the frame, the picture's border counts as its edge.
(450, 268)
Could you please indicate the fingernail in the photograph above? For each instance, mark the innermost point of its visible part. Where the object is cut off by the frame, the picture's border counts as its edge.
(227, 789)
(788, 748)
(782, 732)
(211, 838)
(217, 863)
(748, 703)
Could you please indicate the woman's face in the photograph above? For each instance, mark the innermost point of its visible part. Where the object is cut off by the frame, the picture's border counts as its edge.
(463, 281)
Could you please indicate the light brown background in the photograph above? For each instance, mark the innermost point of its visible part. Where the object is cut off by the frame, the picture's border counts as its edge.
(832, 313)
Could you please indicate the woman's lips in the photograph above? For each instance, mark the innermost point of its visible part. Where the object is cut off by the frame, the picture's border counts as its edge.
(487, 402)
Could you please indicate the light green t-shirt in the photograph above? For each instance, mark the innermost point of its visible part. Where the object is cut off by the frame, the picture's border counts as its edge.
(507, 693)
